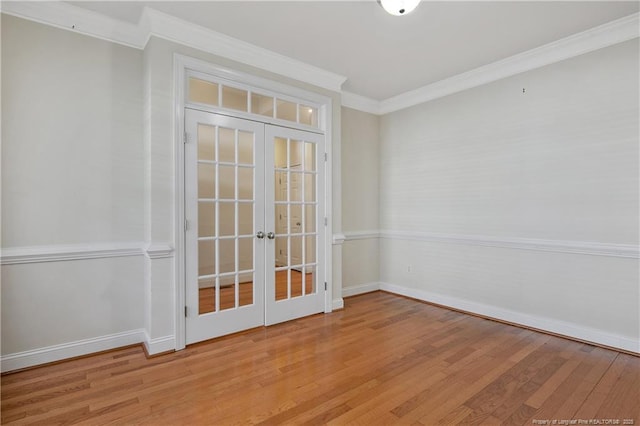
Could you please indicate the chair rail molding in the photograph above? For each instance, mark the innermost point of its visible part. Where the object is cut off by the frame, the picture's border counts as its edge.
(59, 253)
(559, 246)
(159, 251)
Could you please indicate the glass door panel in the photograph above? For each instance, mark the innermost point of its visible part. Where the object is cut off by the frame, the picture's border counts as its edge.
(225, 277)
(293, 211)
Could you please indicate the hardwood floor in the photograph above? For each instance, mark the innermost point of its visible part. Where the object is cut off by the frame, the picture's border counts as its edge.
(384, 359)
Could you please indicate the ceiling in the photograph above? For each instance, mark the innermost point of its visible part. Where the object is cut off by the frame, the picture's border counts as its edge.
(382, 55)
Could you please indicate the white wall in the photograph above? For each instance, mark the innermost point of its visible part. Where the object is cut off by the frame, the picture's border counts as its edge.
(474, 185)
(72, 168)
(88, 175)
(360, 218)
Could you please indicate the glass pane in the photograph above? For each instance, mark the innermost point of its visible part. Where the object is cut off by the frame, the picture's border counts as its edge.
(310, 249)
(245, 253)
(206, 181)
(245, 218)
(281, 186)
(280, 154)
(285, 110)
(227, 183)
(310, 218)
(245, 183)
(262, 105)
(227, 256)
(206, 295)
(227, 219)
(296, 283)
(245, 148)
(295, 188)
(295, 156)
(203, 92)
(206, 257)
(296, 251)
(296, 219)
(227, 146)
(310, 280)
(308, 115)
(206, 142)
(281, 251)
(234, 98)
(310, 187)
(206, 219)
(227, 293)
(246, 289)
(310, 157)
(282, 284)
(281, 219)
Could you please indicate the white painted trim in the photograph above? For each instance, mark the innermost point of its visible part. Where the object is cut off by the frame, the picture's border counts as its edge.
(159, 344)
(53, 353)
(173, 29)
(337, 304)
(605, 35)
(59, 253)
(361, 235)
(361, 103)
(159, 251)
(360, 289)
(554, 326)
(184, 64)
(154, 23)
(557, 246)
(338, 239)
(76, 19)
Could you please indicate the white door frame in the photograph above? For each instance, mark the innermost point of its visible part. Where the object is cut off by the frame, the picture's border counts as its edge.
(181, 66)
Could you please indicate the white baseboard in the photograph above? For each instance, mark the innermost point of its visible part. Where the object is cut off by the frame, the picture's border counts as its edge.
(570, 330)
(48, 354)
(337, 304)
(159, 344)
(360, 289)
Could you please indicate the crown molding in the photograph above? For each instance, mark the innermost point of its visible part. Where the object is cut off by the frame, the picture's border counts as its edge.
(76, 19)
(361, 103)
(605, 35)
(158, 24)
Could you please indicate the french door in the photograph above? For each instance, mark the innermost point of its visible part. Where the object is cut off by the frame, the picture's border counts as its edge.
(253, 204)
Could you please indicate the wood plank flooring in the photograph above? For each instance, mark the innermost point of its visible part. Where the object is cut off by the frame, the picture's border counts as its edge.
(382, 360)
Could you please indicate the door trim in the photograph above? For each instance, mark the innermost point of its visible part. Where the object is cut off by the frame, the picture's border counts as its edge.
(181, 65)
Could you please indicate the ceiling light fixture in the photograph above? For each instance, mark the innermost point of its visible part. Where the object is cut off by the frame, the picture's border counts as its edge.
(399, 7)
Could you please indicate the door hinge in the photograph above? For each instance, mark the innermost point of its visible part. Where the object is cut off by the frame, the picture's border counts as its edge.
(185, 311)
(325, 286)
(326, 221)
(186, 138)
(326, 157)
(186, 225)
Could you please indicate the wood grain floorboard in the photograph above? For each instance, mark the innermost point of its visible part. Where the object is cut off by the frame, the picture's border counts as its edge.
(382, 360)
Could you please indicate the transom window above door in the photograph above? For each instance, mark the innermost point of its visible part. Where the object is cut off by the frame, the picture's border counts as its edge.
(251, 101)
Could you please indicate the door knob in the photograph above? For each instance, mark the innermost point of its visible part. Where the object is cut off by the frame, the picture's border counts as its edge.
(260, 234)
(271, 235)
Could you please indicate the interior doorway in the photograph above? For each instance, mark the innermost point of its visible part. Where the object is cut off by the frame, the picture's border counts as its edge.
(254, 195)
